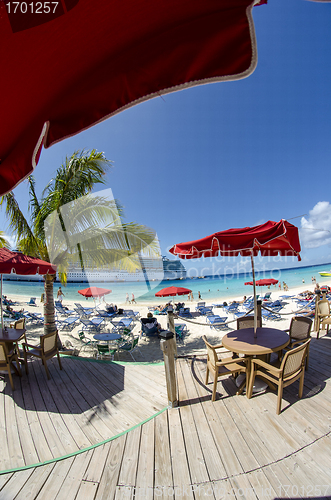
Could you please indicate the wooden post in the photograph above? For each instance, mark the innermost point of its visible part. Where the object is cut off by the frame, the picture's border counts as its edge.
(167, 346)
(259, 312)
(172, 329)
(316, 321)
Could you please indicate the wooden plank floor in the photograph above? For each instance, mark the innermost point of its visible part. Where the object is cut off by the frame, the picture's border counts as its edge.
(82, 405)
(232, 448)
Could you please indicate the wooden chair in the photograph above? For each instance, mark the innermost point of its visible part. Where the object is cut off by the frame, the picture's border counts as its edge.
(220, 367)
(46, 350)
(291, 369)
(6, 361)
(248, 322)
(323, 313)
(299, 332)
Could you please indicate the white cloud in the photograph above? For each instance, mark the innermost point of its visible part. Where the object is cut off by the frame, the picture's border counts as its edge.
(316, 229)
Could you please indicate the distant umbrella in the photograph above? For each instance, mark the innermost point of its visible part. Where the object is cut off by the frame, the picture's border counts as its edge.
(94, 291)
(172, 291)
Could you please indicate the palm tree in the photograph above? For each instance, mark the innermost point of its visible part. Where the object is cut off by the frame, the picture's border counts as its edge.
(4, 243)
(69, 224)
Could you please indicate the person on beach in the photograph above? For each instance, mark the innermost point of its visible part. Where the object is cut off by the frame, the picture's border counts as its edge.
(127, 300)
(133, 300)
(60, 294)
(199, 296)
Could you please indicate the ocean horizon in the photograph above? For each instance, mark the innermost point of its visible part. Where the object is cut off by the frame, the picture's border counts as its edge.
(211, 287)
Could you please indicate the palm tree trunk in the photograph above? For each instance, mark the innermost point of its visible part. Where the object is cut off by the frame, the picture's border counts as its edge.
(49, 309)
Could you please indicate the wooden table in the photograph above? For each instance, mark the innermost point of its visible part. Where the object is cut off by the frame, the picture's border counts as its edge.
(267, 340)
(11, 336)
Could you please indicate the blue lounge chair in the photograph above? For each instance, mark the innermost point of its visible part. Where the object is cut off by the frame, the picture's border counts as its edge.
(35, 318)
(217, 321)
(93, 324)
(32, 301)
(83, 311)
(149, 326)
(185, 312)
(131, 314)
(123, 322)
(61, 310)
(67, 324)
(180, 330)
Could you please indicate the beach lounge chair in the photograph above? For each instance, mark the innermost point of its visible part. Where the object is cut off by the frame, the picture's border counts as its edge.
(185, 312)
(123, 322)
(67, 324)
(47, 349)
(6, 361)
(181, 330)
(36, 318)
(291, 369)
(104, 314)
(149, 326)
(93, 324)
(83, 311)
(62, 310)
(131, 314)
(221, 367)
(32, 301)
(217, 322)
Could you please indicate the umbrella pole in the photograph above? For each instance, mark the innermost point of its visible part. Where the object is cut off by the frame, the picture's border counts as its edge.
(255, 301)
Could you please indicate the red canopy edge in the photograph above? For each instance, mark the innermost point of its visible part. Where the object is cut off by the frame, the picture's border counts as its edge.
(23, 264)
(270, 239)
(138, 50)
(172, 291)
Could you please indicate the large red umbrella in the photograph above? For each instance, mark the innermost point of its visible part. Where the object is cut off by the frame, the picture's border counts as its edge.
(94, 291)
(269, 239)
(19, 263)
(263, 282)
(172, 291)
(73, 63)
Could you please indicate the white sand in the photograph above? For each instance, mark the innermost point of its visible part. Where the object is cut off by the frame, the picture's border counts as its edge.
(150, 347)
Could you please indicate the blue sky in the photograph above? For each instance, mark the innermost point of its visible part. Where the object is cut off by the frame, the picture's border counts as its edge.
(230, 154)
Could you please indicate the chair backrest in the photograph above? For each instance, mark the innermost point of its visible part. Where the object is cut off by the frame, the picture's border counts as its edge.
(294, 360)
(48, 342)
(323, 307)
(247, 322)
(300, 327)
(19, 324)
(211, 352)
(3, 353)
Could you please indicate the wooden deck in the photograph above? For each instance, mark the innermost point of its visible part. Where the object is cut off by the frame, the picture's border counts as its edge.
(232, 448)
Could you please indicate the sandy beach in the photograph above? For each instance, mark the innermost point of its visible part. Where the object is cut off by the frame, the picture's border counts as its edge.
(150, 346)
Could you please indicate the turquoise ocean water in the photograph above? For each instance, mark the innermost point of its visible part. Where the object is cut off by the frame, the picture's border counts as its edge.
(217, 289)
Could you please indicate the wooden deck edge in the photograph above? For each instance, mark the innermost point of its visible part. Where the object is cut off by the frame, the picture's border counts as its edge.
(82, 450)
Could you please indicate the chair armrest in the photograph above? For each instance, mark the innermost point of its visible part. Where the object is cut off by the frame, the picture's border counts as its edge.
(26, 345)
(269, 367)
(229, 361)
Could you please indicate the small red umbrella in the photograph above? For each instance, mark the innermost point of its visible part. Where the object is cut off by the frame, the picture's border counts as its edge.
(263, 282)
(20, 263)
(171, 291)
(94, 291)
(269, 239)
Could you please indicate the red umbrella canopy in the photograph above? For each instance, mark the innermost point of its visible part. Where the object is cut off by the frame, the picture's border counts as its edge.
(263, 282)
(94, 291)
(270, 239)
(71, 64)
(171, 291)
(23, 264)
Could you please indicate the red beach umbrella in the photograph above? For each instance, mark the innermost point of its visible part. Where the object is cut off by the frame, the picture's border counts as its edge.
(19, 263)
(268, 239)
(172, 291)
(73, 63)
(94, 291)
(263, 282)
